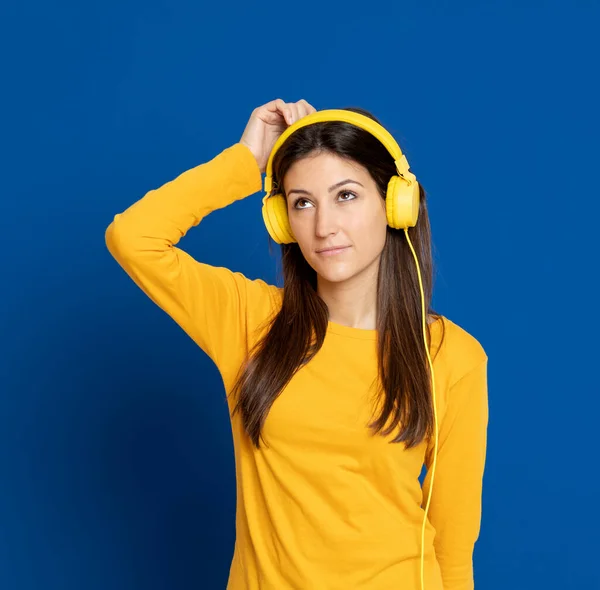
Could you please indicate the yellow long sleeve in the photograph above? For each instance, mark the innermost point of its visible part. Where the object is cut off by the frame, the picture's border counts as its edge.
(455, 509)
(208, 302)
(323, 503)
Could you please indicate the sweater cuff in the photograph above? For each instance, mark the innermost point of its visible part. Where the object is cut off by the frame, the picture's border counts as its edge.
(248, 165)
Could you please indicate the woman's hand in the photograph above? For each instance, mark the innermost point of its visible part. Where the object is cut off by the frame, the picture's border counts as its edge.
(268, 122)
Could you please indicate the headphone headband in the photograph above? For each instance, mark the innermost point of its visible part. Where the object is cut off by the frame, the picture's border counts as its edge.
(357, 119)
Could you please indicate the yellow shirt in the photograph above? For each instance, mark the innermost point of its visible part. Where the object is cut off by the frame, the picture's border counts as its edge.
(324, 505)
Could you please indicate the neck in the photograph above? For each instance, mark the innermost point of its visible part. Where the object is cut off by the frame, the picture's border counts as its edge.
(352, 303)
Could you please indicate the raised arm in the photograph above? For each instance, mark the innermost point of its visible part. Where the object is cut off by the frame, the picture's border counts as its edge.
(206, 301)
(212, 304)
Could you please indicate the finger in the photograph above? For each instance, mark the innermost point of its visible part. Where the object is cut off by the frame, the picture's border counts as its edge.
(295, 112)
(290, 113)
(284, 109)
(280, 107)
(307, 106)
(275, 106)
(275, 112)
(302, 109)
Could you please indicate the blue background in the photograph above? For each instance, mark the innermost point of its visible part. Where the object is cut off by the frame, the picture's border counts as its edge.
(116, 460)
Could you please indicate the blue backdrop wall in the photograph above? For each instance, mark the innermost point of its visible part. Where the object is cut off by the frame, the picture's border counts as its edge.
(116, 462)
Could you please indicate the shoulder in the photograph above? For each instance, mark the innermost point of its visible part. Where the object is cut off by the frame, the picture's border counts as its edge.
(461, 351)
(260, 296)
(258, 291)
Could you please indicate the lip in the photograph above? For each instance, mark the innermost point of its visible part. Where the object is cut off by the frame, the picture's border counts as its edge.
(332, 251)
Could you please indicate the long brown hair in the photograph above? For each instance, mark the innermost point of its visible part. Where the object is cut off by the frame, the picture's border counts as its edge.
(300, 326)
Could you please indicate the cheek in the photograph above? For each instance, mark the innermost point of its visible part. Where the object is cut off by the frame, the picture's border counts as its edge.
(301, 231)
(373, 228)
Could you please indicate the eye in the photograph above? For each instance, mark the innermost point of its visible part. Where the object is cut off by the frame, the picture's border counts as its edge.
(297, 201)
(347, 193)
(340, 194)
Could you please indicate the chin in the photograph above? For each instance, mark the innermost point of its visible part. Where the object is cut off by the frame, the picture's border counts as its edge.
(331, 274)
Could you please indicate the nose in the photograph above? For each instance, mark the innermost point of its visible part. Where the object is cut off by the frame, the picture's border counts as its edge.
(326, 222)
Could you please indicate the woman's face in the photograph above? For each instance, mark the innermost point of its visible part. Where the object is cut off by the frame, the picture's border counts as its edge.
(334, 202)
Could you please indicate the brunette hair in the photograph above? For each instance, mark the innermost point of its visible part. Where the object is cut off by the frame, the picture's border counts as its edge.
(300, 326)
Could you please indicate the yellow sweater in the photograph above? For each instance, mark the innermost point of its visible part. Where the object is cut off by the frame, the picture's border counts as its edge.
(324, 505)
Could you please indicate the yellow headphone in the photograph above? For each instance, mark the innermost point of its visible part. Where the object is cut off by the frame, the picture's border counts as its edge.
(402, 199)
(402, 211)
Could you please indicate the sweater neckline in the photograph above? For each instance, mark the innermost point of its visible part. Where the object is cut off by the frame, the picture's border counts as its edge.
(360, 333)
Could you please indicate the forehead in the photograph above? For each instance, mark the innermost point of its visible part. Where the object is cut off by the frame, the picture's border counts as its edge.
(323, 167)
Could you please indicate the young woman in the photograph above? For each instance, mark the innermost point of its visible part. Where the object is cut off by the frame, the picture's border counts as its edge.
(327, 379)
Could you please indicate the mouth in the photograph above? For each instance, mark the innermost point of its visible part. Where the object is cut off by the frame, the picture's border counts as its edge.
(332, 251)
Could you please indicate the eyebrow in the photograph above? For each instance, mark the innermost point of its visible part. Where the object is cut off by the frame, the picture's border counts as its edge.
(331, 188)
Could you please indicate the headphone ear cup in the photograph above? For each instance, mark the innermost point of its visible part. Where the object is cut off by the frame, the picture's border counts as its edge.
(275, 216)
(402, 203)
